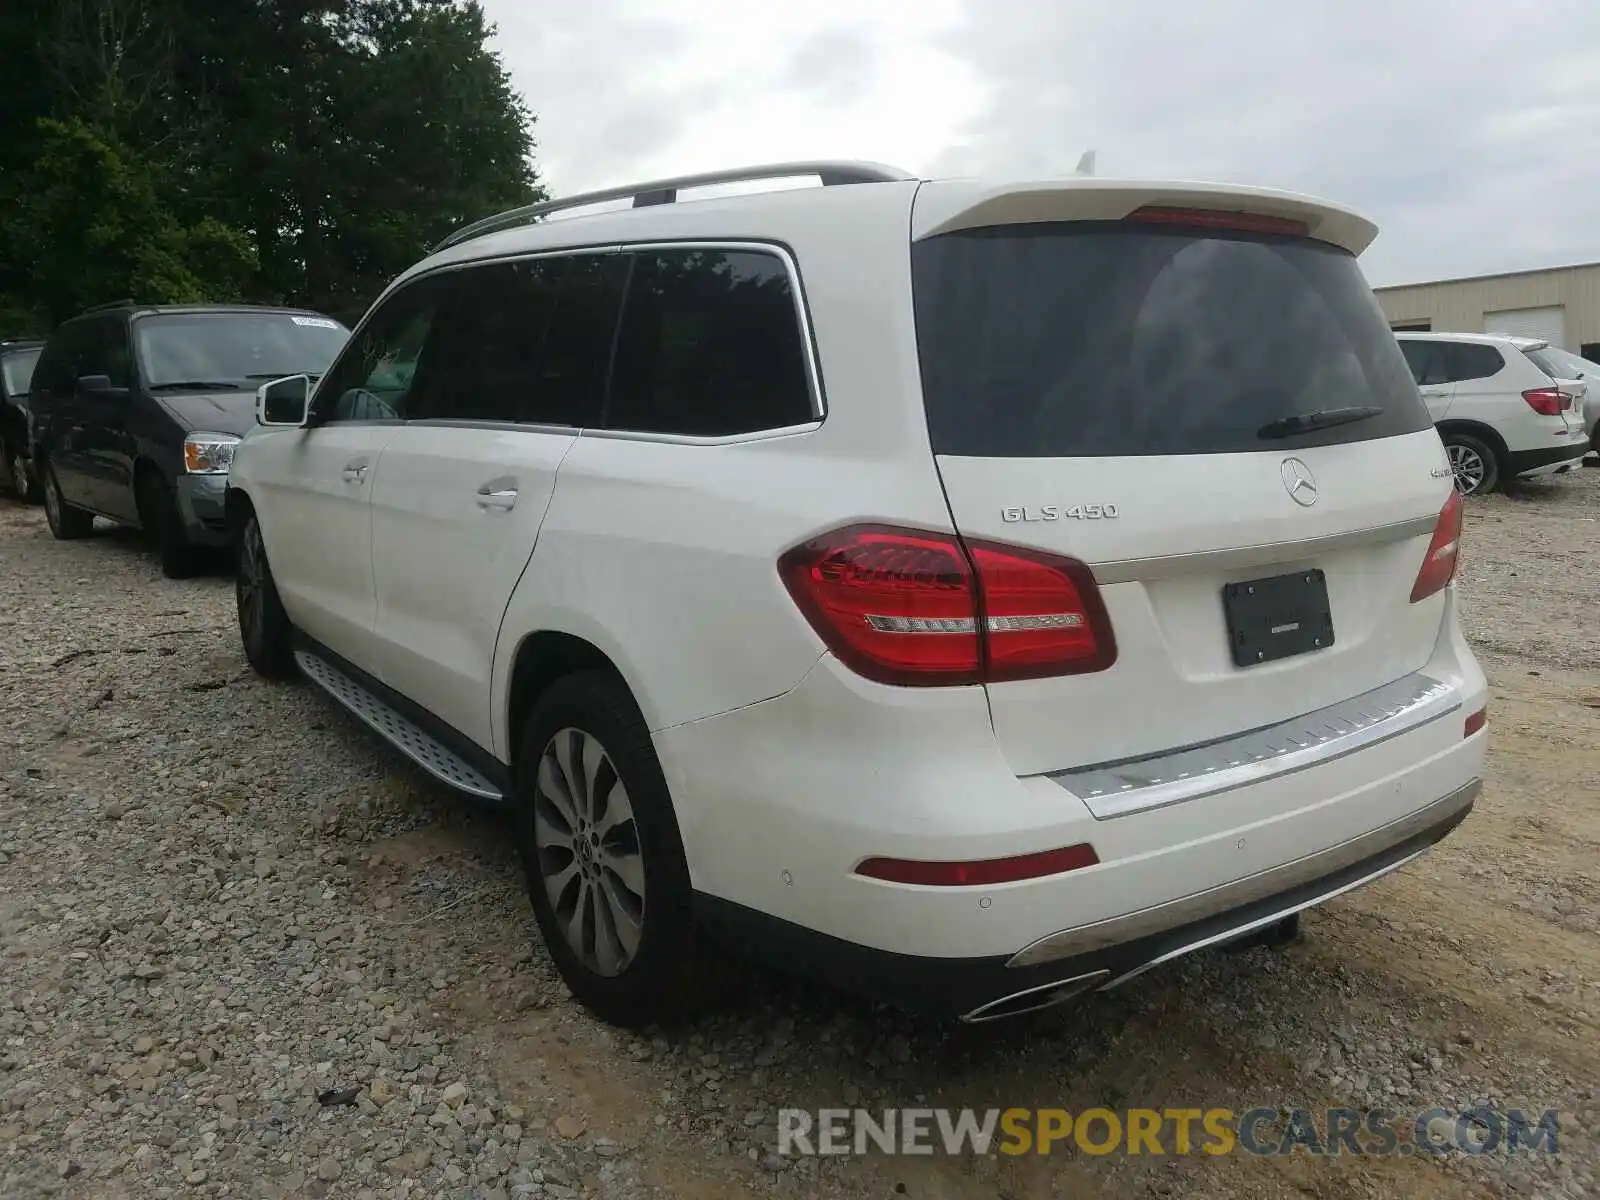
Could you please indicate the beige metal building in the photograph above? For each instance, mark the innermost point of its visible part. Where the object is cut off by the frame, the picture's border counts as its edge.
(1559, 304)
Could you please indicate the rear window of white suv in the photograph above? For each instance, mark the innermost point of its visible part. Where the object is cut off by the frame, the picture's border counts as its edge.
(1101, 339)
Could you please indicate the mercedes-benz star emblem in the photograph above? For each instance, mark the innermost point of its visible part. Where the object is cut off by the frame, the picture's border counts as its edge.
(1300, 482)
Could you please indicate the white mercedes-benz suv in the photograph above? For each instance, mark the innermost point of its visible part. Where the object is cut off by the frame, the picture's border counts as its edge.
(973, 593)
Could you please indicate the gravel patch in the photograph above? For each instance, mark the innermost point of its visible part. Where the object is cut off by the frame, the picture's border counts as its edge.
(247, 951)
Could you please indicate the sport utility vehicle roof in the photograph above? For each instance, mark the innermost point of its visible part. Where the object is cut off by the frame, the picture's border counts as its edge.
(839, 212)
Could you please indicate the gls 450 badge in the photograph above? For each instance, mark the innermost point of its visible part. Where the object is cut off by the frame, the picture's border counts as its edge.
(1060, 512)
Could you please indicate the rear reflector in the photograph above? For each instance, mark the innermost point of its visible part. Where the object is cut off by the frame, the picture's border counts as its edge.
(1212, 219)
(1476, 722)
(905, 606)
(983, 871)
(1547, 402)
(1444, 549)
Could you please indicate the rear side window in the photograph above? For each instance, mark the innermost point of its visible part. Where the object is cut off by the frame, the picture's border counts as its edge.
(1450, 362)
(1093, 338)
(710, 345)
(525, 341)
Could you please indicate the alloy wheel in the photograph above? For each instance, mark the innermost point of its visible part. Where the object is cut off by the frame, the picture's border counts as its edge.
(248, 586)
(587, 842)
(1469, 468)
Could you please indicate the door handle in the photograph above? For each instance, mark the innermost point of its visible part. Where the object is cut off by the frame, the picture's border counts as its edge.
(504, 499)
(355, 472)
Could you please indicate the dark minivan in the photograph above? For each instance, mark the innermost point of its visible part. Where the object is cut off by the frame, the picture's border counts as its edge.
(137, 409)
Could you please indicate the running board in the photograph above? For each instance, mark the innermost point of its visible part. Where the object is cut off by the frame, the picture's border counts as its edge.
(421, 747)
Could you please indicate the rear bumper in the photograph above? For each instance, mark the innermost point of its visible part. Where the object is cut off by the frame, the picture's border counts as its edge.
(1098, 957)
(1549, 459)
(780, 801)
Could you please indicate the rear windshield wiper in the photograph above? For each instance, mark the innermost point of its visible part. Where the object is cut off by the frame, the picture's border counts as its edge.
(197, 385)
(1322, 418)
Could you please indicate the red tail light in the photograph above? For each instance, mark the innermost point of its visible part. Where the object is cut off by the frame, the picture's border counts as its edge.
(1547, 402)
(1444, 549)
(1213, 219)
(983, 871)
(907, 607)
(1475, 722)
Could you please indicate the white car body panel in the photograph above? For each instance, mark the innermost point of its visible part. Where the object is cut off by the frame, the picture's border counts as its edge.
(787, 768)
(313, 492)
(456, 512)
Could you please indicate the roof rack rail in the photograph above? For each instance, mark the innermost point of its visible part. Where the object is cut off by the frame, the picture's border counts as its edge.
(109, 305)
(665, 191)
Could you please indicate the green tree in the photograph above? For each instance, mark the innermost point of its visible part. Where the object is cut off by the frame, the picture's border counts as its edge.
(276, 150)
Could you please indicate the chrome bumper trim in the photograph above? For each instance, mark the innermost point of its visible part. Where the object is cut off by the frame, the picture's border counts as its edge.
(1248, 927)
(1164, 566)
(1176, 776)
(1035, 999)
(1197, 906)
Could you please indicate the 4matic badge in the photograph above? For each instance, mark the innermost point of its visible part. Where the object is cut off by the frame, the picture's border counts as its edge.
(1060, 512)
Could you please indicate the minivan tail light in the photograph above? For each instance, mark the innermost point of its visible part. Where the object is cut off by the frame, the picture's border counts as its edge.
(1547, 402)
(910, 607)
(1205, 218)
(1444, 550)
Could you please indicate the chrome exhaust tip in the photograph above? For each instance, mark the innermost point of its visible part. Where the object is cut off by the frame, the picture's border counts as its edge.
(1034, 999)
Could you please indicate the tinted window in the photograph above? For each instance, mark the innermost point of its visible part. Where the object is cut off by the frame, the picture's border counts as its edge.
(1099, 339)
(66, 354)
(18, 368)
(374, 377)
(1450, 362)
(1425, 360)
(710, 345)
(113, 356)
(1464, 361)
(523, 341)
(236, 348)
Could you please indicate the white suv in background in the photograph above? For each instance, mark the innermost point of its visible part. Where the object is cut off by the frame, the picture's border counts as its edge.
(1501, 405)
(973, 593)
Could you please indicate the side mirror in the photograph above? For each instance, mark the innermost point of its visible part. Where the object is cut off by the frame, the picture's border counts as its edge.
(99, 385)
(284, 402)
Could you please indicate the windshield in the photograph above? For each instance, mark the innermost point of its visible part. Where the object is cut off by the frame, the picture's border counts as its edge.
(1563, 364)
(18, 368)
(1095, 338)
(234, 348)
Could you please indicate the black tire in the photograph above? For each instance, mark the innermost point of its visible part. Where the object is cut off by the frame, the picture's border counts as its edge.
(263, 625)
(1474, 461)
(66, 522)
(158, 513)
(658, 981)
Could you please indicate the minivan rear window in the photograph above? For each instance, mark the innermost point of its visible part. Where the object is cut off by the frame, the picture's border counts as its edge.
(1103, 339)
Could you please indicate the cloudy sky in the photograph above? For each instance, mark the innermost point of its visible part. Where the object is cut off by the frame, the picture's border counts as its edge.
(1469, 131)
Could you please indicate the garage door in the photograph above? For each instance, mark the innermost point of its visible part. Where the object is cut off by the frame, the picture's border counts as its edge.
(1547, 324)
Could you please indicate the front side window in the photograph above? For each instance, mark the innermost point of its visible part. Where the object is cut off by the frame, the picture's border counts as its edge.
(233, 350)
(710, 345)
(18, 370)
(375, 378)
(67, 356)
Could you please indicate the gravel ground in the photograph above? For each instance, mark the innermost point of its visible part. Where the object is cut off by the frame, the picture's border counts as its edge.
(247, 951)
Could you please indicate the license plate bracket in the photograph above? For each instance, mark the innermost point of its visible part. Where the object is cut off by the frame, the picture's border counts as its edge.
(1277, 617)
